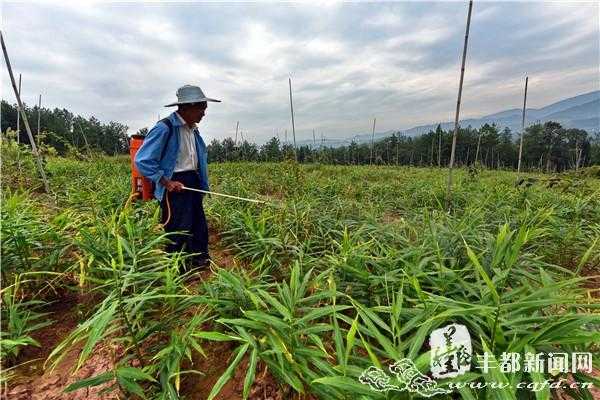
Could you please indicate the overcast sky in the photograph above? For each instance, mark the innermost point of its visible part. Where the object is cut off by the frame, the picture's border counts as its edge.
(349, 62)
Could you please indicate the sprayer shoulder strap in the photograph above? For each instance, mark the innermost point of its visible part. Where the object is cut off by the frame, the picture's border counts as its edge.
(169, 125)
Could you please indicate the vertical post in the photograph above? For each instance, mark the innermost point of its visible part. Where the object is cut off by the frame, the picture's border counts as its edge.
(431, 155)
(237, 125)
(242, 149)
(19, 115)
(38, 127)
(322, 147)
(372, 140)
(293, 125)
(314, 146)
(387, 152)
(24, 115)
(440, 148)
(19, 127)
(456, 117)
(87, 146)
(522, 126)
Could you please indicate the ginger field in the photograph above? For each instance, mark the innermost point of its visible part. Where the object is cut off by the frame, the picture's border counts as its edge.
(344, 270)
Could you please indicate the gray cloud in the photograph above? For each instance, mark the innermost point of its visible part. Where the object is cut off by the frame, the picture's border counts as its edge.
(349, 62)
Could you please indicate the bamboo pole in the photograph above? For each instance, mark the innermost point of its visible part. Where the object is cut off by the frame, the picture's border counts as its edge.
(24, 115)
(456, 118)
(38, 121)
(293, 125)
(87, 146)
(372, 140)
(387, 151)
(431, 154)
(522, 126)
(237, 125)
(19, 128)
(19, 115)
(440, 148)
(477, 150)
(314, 147)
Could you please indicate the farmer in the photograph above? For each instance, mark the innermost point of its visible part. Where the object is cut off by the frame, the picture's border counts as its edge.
(174, 156)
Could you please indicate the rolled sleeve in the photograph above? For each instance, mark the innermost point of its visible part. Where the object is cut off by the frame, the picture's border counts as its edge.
(147, 159)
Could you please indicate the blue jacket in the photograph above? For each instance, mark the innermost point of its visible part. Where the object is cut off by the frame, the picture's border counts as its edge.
(148, 162)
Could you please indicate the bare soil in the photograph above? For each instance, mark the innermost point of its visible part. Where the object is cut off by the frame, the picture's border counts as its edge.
(36, 381)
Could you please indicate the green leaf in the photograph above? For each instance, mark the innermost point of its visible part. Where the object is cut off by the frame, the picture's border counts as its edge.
(482, 273)
(97, 330)
(349, 385)
(494, 375)
(131, 386)
(134, 373)
(223, 379)
(215, 336)
(93, 381)
(350, 338)
(249, 380)
(539, 378)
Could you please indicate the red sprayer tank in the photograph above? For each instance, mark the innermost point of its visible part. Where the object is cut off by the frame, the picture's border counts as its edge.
(139, 184)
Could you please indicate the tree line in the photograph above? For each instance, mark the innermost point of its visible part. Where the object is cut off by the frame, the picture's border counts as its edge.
(546, 147)
(65, 132)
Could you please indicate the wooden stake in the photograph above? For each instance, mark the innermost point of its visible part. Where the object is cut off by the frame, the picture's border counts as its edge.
(38, 127)
(431, 154)
(24, 115)
(236, 132)
(456, 118)
(293, 125)
(477, 151)
(522, 126)
(440, 149)
(314, 146)
(87, 146)
(19, 115)
(372, 140)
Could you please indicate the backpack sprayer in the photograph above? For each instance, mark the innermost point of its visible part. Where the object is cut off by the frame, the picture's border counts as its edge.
(141, 187)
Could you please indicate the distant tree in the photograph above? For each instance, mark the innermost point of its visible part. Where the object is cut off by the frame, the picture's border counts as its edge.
(142, 132)
(271, 151)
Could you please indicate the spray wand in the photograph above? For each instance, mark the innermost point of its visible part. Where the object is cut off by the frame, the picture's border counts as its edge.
(226, 195)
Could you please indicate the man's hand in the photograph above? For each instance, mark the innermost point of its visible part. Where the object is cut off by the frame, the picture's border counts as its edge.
(171, 186)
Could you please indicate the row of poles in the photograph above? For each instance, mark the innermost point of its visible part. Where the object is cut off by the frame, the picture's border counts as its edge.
(454, 136)
(456, 117)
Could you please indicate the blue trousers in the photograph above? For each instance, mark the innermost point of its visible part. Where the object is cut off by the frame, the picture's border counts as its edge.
(187, 217)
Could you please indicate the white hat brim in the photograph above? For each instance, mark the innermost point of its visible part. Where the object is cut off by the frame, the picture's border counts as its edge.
(201, 100)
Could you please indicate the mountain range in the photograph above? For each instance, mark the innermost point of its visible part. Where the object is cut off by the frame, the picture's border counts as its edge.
(582, 112)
